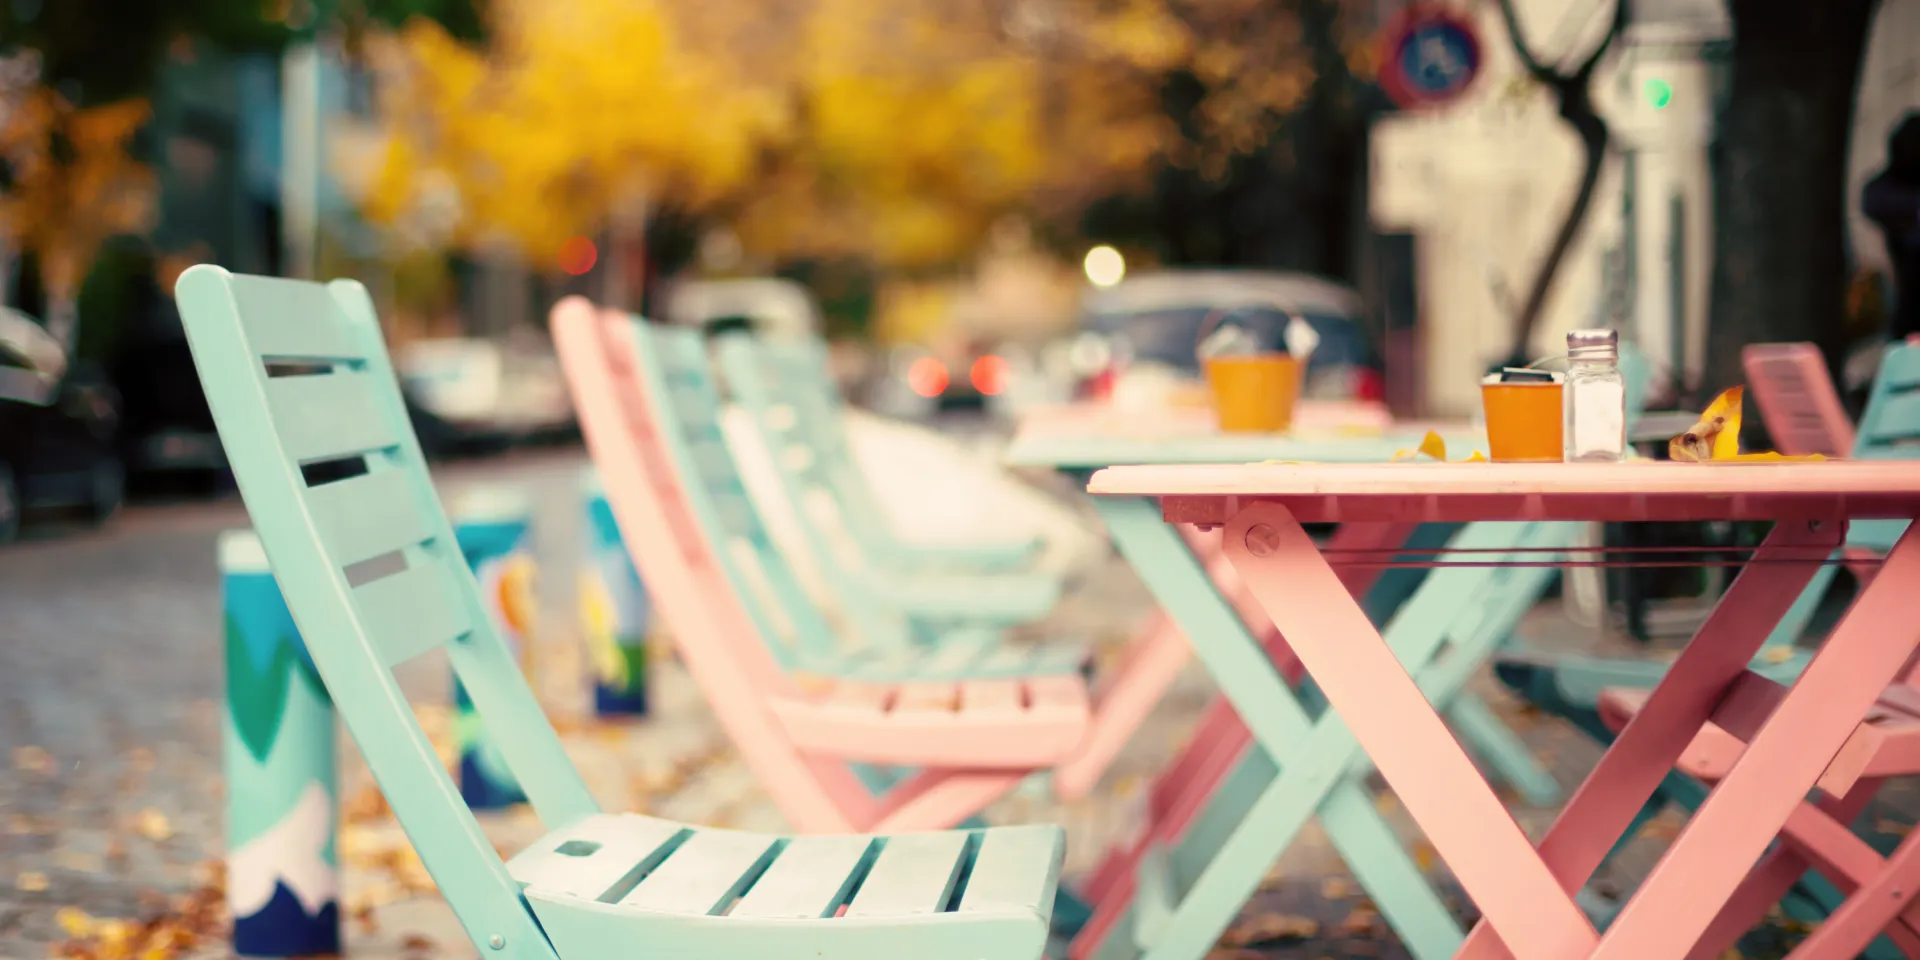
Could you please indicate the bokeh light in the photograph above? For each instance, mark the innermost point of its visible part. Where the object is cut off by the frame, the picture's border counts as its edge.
(989, 374)
(1105, 266)
(1658, 92)
(578, 255)
(927, 377)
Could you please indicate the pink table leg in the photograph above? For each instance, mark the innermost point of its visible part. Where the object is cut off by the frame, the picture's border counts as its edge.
(1181, 792)
(1744, 813)
(1409, 744)
(1646, 750)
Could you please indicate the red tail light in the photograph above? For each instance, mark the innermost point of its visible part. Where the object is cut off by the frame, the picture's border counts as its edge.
(989, 375)
(927, 377)
(1100, 385)
(1368, 384)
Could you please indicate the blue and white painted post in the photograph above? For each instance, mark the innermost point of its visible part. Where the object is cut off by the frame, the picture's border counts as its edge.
(491, 526)
(614, 611)
(283, 788)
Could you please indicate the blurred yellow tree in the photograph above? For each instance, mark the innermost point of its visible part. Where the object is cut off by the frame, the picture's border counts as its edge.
(577, 105)
(899, 130)
(73, 186)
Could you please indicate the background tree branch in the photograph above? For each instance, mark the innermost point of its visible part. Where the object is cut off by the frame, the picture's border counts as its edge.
(1573, 94)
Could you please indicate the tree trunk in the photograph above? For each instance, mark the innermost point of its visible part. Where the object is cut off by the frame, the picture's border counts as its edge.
(1779, 180)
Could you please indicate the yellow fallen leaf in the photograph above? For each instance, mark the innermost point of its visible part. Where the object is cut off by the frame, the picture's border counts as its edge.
(153, 825)
(32, 759)
(1269, 928)
(74, 921)
(30, 881)
(1432, 445)
(1716, 437)
(1424, 856)
(1777, 654)
(1359, 921)
(1892, 828)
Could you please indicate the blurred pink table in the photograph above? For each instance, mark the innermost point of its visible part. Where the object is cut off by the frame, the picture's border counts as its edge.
(1524, 893)
(1187, 419)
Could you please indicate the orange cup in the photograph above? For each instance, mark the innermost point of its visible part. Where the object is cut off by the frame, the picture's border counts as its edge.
(1524, 421)
(1254, 394)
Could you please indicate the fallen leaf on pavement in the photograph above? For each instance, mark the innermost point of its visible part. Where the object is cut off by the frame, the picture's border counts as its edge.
(415, 942)
(153, 825)
(1268, 928)
(1424, 856)
(1892, 828)
(1359, 921)
(30, 881)
(32, 759)
(75, 921)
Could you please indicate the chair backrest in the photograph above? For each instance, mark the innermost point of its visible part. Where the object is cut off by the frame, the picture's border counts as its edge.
(300, 385)
(1797, 399)
(799, 367)
(1637, 374)
(788, 413)
(677, 373)
(617, 379)
(1890, 426)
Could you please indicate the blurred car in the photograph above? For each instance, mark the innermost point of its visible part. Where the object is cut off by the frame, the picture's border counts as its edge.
(982, 379)
(58, 426)
(477, 394)
(766, 304)
(1158, 320)
(166, 426)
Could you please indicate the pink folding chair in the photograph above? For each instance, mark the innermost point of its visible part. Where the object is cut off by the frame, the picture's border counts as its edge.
(972, 740)
(1797, 399)
(1880, 890)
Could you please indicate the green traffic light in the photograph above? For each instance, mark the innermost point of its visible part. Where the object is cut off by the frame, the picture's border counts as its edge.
(1658, 92)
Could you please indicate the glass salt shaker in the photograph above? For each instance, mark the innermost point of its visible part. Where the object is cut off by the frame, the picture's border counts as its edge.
(1595, 403)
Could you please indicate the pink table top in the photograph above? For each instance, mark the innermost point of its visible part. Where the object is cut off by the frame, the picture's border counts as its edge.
(1188, 419)
(1461, 492)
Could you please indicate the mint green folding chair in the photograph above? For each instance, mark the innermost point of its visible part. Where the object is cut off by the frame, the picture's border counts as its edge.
(881, 579)
(792, 383)
(371, 572)
(764, 575)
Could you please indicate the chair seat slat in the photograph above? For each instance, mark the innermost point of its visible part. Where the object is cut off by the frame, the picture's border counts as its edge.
(811, 879)
(914, 874)
(704, 875)
(587, 859)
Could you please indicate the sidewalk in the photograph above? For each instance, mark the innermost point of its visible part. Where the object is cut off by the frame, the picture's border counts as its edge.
(677, 764)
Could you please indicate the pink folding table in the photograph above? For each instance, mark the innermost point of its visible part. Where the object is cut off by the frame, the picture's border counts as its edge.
(1525, 893)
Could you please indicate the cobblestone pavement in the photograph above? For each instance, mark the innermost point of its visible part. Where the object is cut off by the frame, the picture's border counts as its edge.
(110, 686)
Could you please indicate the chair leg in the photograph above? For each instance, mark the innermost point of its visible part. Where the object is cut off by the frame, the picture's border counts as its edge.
(1490, 739)
(1770, 880)
(1871, 909)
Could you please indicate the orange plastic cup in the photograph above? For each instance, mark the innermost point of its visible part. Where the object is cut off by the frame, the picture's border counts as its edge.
(1524, 421)
(1254, 394)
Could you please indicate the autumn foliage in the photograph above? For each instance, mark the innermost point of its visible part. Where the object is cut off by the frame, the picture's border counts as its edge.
(899, 131)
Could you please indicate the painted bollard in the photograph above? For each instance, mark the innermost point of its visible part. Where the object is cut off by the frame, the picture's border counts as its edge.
(613, 611)
(491, 527)
(282, 780)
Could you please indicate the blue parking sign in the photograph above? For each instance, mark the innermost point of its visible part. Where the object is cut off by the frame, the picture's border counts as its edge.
(1430, 57)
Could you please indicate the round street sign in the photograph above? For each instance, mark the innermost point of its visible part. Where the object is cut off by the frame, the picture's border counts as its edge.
(1430, 56)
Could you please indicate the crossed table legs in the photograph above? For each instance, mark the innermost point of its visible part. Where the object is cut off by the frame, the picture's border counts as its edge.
(1260, 807)
(1524, 894)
